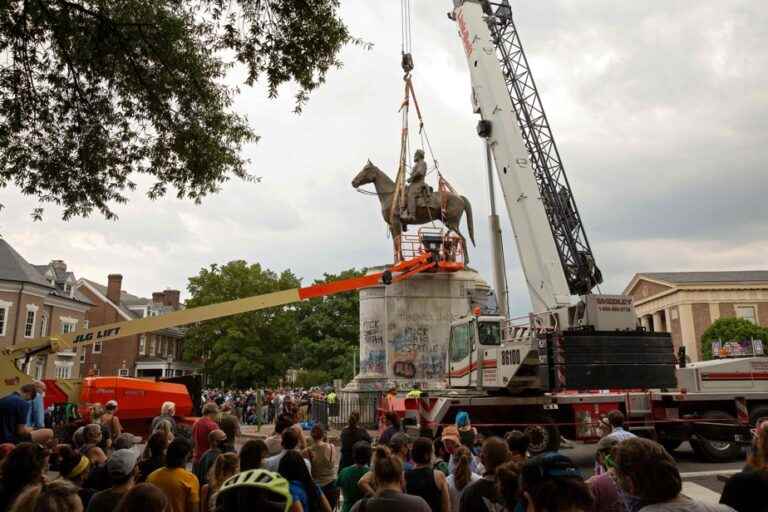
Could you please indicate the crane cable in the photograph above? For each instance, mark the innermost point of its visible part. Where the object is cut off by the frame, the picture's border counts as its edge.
(406, 33)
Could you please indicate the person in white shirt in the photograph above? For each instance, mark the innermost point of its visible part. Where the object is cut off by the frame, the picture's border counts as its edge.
(462, 475)
(290, 442)
(616, 420)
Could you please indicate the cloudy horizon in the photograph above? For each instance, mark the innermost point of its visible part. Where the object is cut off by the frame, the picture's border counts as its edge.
(660, 112)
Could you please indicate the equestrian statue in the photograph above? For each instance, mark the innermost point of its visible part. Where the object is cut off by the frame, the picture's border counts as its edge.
(423, 204)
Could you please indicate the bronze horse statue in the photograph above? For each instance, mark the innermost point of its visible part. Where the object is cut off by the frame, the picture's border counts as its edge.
(450, 216)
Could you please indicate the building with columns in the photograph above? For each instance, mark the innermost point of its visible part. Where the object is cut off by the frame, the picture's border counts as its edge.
(686, 303)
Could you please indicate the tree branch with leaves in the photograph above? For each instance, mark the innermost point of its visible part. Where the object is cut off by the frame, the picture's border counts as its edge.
(96, 92)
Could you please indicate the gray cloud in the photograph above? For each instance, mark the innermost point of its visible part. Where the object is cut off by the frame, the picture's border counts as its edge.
(659, 109)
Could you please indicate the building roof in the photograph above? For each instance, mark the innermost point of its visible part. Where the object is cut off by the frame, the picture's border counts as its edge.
(127, 300)
(13, 267)
(123, 297)
(60, 279)
(737, 276)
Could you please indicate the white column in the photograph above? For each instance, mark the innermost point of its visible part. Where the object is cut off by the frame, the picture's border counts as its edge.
(667, 320)
(714, 311)
(657, 321)
(645, 322)
(688, 336)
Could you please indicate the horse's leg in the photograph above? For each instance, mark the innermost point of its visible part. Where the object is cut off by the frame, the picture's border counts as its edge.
(396, 229)
(453, 225)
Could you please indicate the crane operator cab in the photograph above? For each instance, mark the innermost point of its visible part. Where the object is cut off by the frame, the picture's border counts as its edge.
(484, 356)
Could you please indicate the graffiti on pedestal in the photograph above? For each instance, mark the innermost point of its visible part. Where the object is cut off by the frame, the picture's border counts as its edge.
(372, 333)
(374, 362)
(415, 357)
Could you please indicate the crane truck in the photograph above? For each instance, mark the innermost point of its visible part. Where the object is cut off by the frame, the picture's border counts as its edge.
(566, 365)
(553, 374)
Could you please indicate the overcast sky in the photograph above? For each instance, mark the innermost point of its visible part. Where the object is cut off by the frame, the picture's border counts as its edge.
(660, 111)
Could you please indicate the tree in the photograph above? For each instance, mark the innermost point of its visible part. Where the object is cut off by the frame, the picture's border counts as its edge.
(247, 348)
(730, 329)
(312, 378)
(329, 331)
(93, 92)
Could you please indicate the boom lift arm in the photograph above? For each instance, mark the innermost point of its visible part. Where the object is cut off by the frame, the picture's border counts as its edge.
(431, 259)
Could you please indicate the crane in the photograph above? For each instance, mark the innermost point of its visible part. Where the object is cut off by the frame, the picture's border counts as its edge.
(554, 250)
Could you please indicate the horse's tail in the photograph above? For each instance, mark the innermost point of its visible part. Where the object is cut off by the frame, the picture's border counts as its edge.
(470, 223)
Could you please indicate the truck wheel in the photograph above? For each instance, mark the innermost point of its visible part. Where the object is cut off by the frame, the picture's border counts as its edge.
(543, 434)
(758, 415)
(716, 451)
(671, 445)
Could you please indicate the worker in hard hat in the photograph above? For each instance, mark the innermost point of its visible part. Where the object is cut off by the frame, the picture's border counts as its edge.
(415, 391)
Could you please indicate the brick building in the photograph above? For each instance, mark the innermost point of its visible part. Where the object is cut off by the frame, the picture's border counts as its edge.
(155, 354)
(686, 303)
(36, 301)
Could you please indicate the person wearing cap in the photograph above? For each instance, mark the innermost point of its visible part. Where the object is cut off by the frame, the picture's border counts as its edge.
(122, 469)
(603, 484)
(415, 391)
(467, 433)
(125, 441)
(110, 420)
(216, 441)
(551, 482)
(451, 441)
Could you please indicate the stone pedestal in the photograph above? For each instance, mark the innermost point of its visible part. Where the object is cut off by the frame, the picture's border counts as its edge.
(404, 327)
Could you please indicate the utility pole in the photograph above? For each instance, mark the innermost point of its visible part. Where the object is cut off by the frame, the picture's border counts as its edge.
(497, 248)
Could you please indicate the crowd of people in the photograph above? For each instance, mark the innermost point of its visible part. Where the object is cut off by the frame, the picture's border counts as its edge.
(263, 406)
(100, 468)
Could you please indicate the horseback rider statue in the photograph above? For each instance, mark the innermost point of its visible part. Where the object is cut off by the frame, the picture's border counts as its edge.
(416, 186)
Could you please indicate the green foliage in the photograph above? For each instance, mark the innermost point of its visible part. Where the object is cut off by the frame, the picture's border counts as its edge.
(96, 91)
(319, 336)
(311, 378)
(329, 331)
(730, 329)
(248, 348)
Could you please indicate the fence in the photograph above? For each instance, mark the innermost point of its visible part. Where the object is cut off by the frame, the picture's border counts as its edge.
(335, 415)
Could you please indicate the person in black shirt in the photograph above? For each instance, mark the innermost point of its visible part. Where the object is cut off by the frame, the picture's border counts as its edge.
(350, 436)
(154, 455)
(425, 481)
(746, 491)
(392, 422)
(483, 495)
(550, 482)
